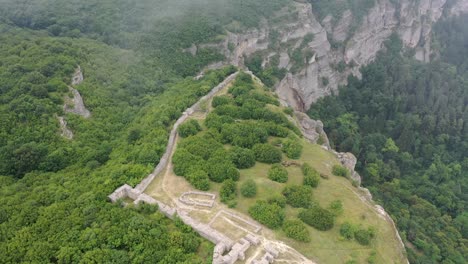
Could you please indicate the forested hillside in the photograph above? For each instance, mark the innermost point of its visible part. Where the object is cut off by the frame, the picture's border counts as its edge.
(52, 190)
(407, 122)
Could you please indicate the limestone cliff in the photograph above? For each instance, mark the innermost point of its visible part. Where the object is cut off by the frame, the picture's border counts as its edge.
(339, 46)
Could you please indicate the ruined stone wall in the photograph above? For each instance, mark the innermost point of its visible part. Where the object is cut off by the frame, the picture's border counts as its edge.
(173, 135)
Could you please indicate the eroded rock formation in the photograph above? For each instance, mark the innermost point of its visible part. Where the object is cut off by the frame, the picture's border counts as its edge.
(340, 45)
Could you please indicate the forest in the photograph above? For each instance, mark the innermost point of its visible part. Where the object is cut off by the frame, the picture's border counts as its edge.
(407, 123)
(53, 191)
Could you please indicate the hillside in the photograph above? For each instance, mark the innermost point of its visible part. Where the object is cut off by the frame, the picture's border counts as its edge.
(205, 159)
(91, 91)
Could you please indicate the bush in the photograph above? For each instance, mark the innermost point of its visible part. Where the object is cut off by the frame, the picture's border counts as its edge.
(221, 168)
(267, 153)
(189, 128)
(296, 229)
(249, 188)
(347, 230)
(217, 121)
(269, 214)
(243, 135)
(227, 191)
(311, 175)
(336, 207)
(298, 196)
(278, 173)
(242, 158)
(319, 218)
(279, 200)
(364, 236)
(221, 100)
(288, 111)
(183, 161)
(292, 149)
(339, 170)
(199, 179)
(201, 145)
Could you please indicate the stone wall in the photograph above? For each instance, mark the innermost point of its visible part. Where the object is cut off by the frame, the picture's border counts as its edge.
(173, 135)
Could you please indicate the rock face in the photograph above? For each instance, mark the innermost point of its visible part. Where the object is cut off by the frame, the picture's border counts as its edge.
(76, 105)
(340, 45)
(313, 130)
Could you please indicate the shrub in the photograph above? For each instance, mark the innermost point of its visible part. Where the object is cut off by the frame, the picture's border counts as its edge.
(288, 111)
(199, 179)
(364, 236)
(243, 135)
(221, 100)
(268, 214)
(319, 218)
(339, 170)
(183, 161)
(275, 130)
(267, 153)
(296, 229)
(242, 158)
(347, 230)
(298, 196)
(292, 149)
(249, 188)
(227, 191)
(203, 146)
(278, 173)
(278, 199)
(221, 168)
(311, 175)
(189, 128)
(217, 121)
(336, 207)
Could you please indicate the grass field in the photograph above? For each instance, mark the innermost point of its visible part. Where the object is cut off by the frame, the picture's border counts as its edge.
(325, 246)
(328, 246)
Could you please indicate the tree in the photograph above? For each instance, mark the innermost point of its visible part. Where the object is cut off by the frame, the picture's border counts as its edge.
(336, 207)
(298, 196)
(339, 170)
(228, 191)
(278, 173)
(221, 100)
(311, 175)
(317, 217)
(292, 149)
(249, 188)
(347, 230)
(220, 168)
(242, 158)
(267, 153)
(199, 179)
(189, 128)
(268, 214)
(277, 199)
(364, 236)
(296, 229)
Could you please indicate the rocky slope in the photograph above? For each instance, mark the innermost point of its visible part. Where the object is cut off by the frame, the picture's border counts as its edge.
(339, 46)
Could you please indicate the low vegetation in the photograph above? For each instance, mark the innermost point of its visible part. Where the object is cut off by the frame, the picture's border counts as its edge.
(317, 217)
(278, 173)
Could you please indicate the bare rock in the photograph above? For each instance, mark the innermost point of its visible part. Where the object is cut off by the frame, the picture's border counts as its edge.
(312, 129)
(66, 132)
(76, 105)
(77, 77)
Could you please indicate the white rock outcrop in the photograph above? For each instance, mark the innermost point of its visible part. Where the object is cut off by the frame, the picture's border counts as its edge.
(356, 42)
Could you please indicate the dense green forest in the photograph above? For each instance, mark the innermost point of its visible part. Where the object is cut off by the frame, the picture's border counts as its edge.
(53, 191)
(407, 122)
